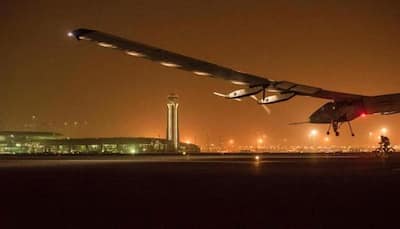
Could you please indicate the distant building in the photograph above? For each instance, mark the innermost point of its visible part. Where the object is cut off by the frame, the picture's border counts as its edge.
(48, 142)
(15, 142)
(25, 141)
(172, 121)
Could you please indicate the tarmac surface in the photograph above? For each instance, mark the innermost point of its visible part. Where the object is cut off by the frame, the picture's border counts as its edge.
(200, 191)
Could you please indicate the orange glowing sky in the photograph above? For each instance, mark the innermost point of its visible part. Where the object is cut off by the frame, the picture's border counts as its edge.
(349, 46)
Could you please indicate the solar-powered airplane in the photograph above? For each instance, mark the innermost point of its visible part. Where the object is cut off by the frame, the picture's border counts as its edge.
(342, 108)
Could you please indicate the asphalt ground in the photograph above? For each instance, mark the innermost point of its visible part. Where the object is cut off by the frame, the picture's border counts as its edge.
(200, 191)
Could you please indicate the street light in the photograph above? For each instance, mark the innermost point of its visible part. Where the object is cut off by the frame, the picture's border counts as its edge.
(384, 131)
(370, 134)
(260, 142)
(313, 133)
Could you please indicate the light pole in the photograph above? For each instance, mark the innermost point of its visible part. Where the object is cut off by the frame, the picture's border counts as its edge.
(231, 143)
(259, 142)
(313, 135)
(384, 131)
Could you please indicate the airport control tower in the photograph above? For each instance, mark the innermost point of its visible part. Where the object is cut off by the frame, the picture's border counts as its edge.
(172, 120)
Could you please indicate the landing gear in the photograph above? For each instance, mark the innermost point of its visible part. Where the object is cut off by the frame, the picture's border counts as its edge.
(351, 129)
(329, 129)
(335, 125)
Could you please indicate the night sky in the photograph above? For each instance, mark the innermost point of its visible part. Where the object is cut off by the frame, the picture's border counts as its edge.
(348, 46)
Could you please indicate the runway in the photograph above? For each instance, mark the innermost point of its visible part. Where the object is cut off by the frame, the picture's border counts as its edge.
(245, 158)
(200, 191)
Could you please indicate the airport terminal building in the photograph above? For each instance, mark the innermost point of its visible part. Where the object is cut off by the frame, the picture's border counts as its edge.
(19, 142)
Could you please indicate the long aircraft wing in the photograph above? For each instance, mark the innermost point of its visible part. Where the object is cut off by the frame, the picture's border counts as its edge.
(203, 68)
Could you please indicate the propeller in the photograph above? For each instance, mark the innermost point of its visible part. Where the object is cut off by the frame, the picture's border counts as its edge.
(263, 105)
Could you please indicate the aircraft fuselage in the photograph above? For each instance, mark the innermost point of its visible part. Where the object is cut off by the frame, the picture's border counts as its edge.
(348, 111)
